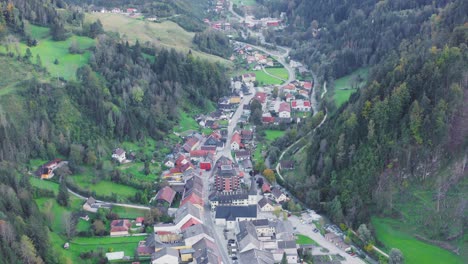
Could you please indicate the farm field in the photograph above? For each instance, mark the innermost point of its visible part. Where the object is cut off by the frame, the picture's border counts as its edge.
(166, 34)
(344, 85)
(391, 233)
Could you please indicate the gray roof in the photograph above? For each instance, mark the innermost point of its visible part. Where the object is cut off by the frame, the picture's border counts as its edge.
(233, 212)
(247, 235)
(276, 192)
(196, 230)
(91, 200)
(260, 222)
(119, 151)
(287, 244)
(228, 198)
(256, 256)
(264, 201)
(186, 209)
(206, 252)
(253, 187)
(165, 251)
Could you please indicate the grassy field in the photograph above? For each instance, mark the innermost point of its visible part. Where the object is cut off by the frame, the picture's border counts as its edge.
(12, 73)
(305, 240)
(50, 50)
(44, 184)
(130, 213)
(245, 2)
(390, 233)
(166, 34)
(278, 72)
(273, 134)
(186, 122)
(265, 79)
(106, 188)
(344, 84)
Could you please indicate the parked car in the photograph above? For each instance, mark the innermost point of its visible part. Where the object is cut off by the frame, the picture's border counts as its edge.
(316, 230)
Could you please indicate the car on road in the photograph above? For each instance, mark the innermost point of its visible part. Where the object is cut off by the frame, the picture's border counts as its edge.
(316, 230)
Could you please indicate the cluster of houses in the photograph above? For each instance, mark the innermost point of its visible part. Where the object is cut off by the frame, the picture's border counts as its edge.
(185, 240)
(252, 56)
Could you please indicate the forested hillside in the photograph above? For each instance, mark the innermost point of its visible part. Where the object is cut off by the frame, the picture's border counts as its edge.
(405, 132)
(122, 93)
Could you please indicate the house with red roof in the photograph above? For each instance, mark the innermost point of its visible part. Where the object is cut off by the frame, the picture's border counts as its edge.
(236, 141)
(301, 105)
(284, 110)
(249, 77)
(166, 194)
(191, 144)
(273, 23)
(266, 188)
(307, 85)
(289, 97)
(289, 88)
(187, 215)
(120, 227)
(139, 221)
(261, 97)
(268, 119)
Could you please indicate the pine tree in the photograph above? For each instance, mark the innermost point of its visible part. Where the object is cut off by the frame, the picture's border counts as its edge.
(63, 197)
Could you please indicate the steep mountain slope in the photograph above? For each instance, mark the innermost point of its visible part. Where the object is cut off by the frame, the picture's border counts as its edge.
(401, 142)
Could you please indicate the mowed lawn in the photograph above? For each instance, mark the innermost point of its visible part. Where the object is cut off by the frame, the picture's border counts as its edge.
(129, 213)
(166, 34)
(278, 72)
(344, 84)
(271, 135)
(265, 79)
(390, 233)
(305, 240)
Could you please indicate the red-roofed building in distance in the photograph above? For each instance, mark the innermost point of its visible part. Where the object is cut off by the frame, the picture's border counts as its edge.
(284, 110)
(236, 141)
(307, 85)
(301, 105)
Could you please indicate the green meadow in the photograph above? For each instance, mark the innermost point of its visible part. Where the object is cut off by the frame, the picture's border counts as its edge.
(347, 85)
(392, 234)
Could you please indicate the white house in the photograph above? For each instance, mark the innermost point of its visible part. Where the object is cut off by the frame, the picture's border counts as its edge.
(119, 155)
(236, 141)
(284, 110)
(279, 195)
(266, 205)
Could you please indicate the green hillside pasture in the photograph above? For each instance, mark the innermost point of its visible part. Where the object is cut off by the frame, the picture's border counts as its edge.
(54, 212)
(245, 2)
(186, 122)
(390, 233)
(344, 84)
(50, 50)
(37, 32)
(278, 72)
(12, 72)
(128, 213)
(104, 187)
(44, 184)
(166, 34)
